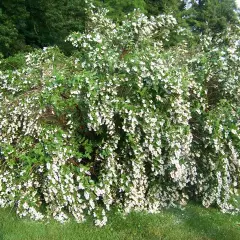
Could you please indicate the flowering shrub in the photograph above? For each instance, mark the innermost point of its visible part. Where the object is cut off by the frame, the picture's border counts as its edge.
(124, 122)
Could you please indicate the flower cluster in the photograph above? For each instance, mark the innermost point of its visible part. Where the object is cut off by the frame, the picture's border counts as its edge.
(124, 122)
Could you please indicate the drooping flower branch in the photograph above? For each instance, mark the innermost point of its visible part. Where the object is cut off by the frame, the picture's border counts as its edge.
(124, 122)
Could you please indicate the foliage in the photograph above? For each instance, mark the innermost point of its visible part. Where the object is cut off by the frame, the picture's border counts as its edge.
(214, 15)
(123, 123)
(13, 62)
(38, 24)
(118, 9)
(51, 21)
(27, 24)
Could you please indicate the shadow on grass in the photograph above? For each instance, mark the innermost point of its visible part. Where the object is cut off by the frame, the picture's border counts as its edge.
(193, 223)
(209, 224)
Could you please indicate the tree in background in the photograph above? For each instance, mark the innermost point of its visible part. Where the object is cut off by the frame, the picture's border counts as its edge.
(13, 24)
(51, 21)
(118, 8)
(26, 24)
(214, 15)
(38, 23)
(154, 7)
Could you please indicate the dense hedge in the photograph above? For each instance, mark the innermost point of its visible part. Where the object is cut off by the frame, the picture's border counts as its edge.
(124, 122)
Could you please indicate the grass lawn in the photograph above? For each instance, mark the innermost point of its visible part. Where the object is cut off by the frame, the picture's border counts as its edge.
(195, 222)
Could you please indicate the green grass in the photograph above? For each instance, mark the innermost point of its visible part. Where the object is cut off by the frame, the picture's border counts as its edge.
(193, 223)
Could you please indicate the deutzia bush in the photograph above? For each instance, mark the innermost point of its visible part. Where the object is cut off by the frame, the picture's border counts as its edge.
(215, 95)
(124, 123)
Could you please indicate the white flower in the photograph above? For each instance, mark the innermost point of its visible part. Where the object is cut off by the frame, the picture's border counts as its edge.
(91, 203)
(48, 166)
(98, 38)
(86, 195)
(234, 131)
(25, 205)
